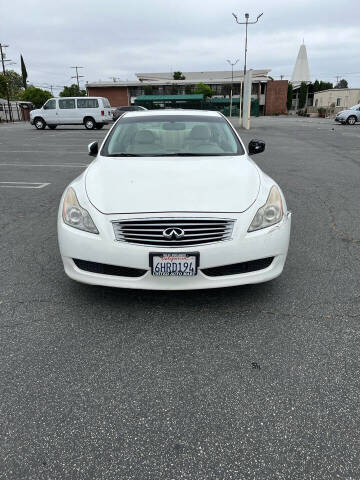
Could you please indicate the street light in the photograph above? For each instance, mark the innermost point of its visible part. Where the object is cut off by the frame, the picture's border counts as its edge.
(232, 81)
(246, 23)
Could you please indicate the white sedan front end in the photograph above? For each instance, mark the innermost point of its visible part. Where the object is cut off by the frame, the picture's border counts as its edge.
(167, 222)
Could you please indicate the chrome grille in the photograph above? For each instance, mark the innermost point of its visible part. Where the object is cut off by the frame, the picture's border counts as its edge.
(196, 231)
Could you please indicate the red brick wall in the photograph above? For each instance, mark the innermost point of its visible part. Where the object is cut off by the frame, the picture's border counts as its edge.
(276, 97)
(117, 96)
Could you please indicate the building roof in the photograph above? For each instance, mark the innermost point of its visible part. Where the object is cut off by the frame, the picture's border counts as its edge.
(223, 77)
(336, 90)
(211, 76)
(155, 98)
(301, 71)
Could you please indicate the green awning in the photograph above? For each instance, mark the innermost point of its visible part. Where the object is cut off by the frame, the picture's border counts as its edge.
(164, 98)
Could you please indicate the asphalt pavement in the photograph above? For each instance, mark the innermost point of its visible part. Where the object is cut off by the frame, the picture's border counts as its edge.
(256, 382)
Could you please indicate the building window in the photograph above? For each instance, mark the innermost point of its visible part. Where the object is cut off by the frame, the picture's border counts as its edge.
(263, 86)
(316, 102)
(338, 101)
(254, 88)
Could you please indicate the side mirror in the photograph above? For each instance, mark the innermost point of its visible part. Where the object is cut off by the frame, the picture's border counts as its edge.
(93, 149)
(256, 146)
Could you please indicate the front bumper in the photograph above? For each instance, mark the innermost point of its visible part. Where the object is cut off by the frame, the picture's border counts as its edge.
(243, 247)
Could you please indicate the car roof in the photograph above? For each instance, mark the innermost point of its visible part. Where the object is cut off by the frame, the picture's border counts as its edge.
(77, 98)
(175, 112)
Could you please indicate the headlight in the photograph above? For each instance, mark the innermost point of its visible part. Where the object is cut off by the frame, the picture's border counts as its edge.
(76, 216)
(270, 213)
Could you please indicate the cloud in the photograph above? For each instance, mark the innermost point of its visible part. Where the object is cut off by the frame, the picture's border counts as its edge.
(119, 38)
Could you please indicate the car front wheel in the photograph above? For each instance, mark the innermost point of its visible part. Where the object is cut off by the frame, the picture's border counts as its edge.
(351, 120)
(39, 123)
(89, 123)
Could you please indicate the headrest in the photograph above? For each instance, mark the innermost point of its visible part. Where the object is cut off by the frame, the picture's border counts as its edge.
(144, 136)
(200, 132)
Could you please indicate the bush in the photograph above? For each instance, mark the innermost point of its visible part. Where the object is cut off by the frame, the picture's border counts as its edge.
(36, 96)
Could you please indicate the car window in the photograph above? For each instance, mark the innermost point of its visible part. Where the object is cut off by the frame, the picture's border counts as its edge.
(162, 135)
(50, 104)
(106, 103)
(87, 103)
(67, 104)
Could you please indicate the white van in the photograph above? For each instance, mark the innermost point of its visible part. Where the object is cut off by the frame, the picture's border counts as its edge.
(93, 112)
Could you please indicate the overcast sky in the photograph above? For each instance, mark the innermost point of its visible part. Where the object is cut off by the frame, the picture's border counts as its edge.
(117, 38)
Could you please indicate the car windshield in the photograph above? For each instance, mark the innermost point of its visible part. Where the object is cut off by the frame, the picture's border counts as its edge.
(355, 107)
(172, 135)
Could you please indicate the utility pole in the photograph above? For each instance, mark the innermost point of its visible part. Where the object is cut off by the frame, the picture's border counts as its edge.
(77, 76)
(246, 23)
(232, 81)
(6, 82)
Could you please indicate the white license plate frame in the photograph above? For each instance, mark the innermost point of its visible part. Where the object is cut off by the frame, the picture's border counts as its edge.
(171, 258)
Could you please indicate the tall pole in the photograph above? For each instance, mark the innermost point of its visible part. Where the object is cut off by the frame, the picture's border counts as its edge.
(6, 82)
(232, 82)
(246, 23)
(77, 76)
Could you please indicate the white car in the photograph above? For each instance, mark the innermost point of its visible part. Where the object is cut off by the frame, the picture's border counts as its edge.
(349, 116)
(92, 112)
(173, 202)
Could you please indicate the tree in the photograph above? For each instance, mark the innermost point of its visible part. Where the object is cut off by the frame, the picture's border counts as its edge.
(289, 96)
(204, 89)
(37, 96)
(15, 84)
(73, 91)
(325, 85)
(148, 89)
(316, 86)
(178, 76)
(342, 84)
(302, 94)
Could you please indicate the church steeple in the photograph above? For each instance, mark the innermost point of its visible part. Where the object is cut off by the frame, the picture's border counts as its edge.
(301, 71)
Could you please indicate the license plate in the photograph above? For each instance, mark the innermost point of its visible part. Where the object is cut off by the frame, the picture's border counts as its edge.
(174, 264)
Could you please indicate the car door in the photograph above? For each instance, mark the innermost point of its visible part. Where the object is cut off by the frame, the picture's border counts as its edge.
(50, 112)
(67, 111)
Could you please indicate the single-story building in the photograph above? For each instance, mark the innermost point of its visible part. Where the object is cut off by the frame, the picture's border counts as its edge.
(340, 98)
(271, 94)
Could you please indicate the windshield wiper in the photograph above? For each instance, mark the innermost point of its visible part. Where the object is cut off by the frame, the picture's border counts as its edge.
(124, 155)
(183, 154)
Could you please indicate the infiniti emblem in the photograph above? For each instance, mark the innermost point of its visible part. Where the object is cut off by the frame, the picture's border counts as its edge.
(173, 233)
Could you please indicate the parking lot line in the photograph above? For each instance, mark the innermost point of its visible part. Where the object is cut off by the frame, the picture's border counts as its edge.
(23, 185)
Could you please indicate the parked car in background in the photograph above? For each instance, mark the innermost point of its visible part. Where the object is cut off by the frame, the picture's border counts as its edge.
(173, 201)
(130, 108)
(92, 112)
(350, 116)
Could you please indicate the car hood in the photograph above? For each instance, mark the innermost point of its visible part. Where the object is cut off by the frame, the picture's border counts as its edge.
(35, 112)
(168, 184)
(345, 112)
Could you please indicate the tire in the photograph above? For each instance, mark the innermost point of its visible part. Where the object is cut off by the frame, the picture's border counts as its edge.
(89, 123)
(39, 123)
(52, 127)
(99, 126)
(351, 120)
